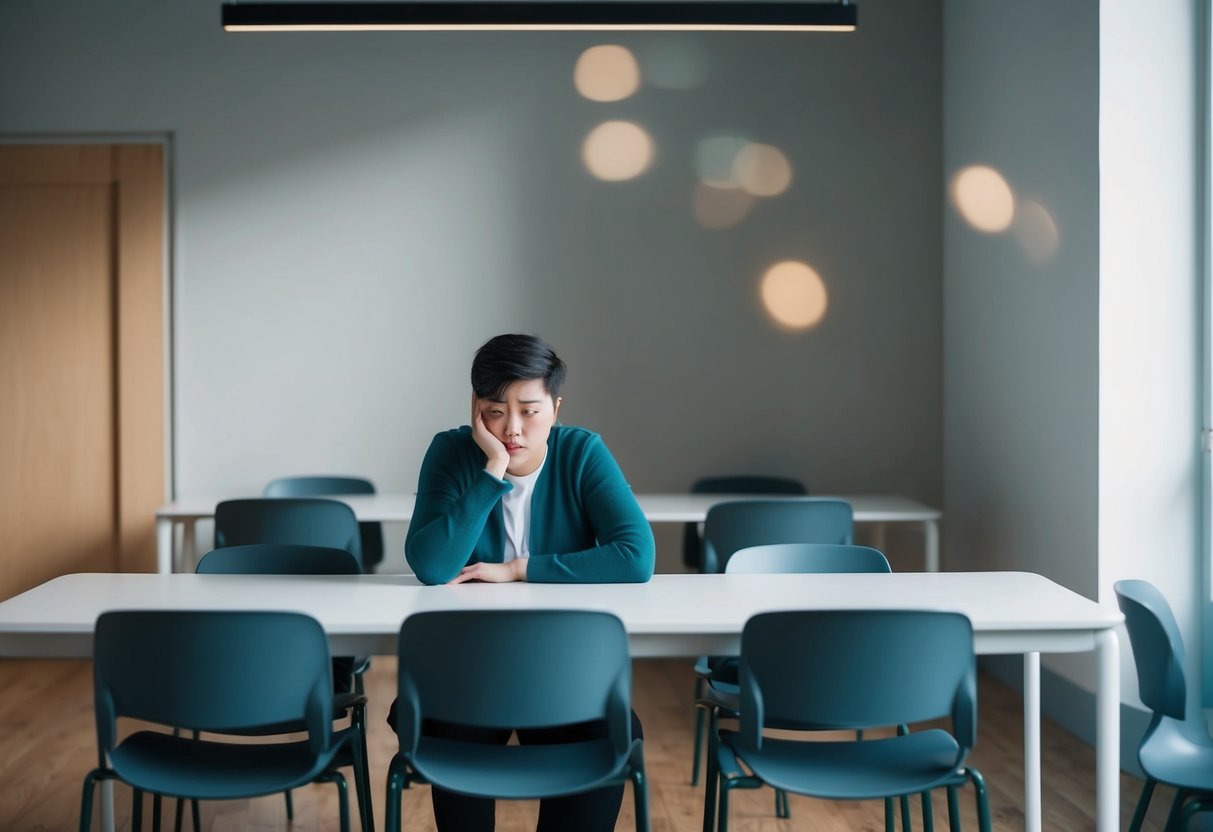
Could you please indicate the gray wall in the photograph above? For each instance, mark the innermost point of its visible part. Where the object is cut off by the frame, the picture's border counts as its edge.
(355, 213)
(1021, 339)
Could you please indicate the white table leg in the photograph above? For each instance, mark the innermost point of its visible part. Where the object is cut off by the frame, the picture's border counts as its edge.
(1107, 732)
(1031, 742)
(189, 545)
(107, 805)
(164, 545)
(930, 530)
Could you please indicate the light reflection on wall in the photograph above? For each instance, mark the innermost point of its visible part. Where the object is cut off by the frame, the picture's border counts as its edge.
(1036, 231)
(983, 198)
(720, 208)
(794, 294)
(715, 159)
(762, 169)
(617, 150)
(608, 72)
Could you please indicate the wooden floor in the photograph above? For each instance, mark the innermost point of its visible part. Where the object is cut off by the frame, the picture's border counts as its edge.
(47, 744)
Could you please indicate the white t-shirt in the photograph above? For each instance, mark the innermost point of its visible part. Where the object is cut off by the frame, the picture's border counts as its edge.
(516, 512)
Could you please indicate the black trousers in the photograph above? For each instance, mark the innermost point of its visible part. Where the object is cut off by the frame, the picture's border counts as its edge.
(594, 811)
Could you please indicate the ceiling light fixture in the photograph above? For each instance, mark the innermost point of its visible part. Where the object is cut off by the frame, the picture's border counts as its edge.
(552, 15)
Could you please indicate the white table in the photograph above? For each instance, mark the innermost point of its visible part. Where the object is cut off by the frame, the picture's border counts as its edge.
(672, 615)
(657, 508)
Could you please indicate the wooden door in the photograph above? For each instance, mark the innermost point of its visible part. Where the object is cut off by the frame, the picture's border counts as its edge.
(81, 359)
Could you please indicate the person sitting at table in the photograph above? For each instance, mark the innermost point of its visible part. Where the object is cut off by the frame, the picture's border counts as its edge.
(514, 496)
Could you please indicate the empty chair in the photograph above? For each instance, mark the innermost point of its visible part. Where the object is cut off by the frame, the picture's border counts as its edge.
(850, 670)
(742, 523)
(214, 672)
(1176, 748)
(371, 532)
(466, 667)
(692, 541)
(719, 697)
(308, 521)
(290, 559)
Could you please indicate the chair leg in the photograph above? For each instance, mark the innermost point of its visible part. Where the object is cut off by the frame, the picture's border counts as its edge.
(928, 813)
(1181, 796)
(699, 720)
(136, 810)
(953, 810)
(983, 801)
(722, 813)
(197, 815)
(86, 799)
(362, 786)
(156, 812)
(890, 816)
(1143, 805)
(343, 798)
(290, 805)
(180, 816)
(712, 785)
(640, 795)
(395, 785)
(906, 823)
(781, 804)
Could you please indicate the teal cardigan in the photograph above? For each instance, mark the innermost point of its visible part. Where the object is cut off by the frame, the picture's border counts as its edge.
(585, 524)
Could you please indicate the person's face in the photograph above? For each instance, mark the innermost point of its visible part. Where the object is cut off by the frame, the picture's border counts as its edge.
(522, 419)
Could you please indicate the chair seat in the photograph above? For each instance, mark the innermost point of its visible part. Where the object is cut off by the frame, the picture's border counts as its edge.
(1180, 754)
(517, 772)
(206, 770)
(858, 770)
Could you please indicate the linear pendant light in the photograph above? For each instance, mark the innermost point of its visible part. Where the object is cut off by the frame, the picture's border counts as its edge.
(554, 15)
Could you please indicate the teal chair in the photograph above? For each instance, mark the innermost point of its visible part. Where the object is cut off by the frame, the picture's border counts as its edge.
(224, 672)
(692, 540)
(720, 697)
(1176, 748)
(307, 521)
(739, 524)
(467, 667)
(371, 533)
(850, 670)
(288, 559)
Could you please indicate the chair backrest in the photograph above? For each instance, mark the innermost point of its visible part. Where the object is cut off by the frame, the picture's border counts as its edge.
(1158, 647)
(742, 523)
(692, 543)
(807, 558)
(212, 671)
(304, 520)
(278, 559)
(849, 669)
(514, 669)
(320, 486)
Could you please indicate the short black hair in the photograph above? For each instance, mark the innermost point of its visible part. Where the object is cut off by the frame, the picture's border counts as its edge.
(502, 360)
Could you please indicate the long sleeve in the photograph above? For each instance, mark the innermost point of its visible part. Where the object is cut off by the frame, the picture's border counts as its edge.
(623, 550)
(454, 501)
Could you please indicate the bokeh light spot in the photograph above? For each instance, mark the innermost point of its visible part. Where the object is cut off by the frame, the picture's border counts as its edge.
(714, 160)
(1036, 232)
(617, 150)
(606, 73)
(719, 208)
(794, 294)
(984, 198)
(762, 169)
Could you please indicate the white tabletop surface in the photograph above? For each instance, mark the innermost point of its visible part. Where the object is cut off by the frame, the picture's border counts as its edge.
(670, 615)
(658, 508)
